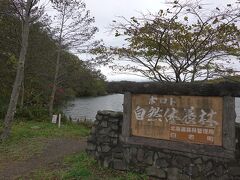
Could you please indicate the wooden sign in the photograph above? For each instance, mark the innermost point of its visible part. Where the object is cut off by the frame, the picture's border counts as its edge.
(193, 119)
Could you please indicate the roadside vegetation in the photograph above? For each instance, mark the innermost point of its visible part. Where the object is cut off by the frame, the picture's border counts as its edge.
(28, 140)
(81, 166)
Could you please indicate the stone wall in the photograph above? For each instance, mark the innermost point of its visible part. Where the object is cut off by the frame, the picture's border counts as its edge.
(105, 146)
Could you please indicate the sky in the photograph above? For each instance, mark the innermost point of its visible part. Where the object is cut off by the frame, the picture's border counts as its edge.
(105, 11)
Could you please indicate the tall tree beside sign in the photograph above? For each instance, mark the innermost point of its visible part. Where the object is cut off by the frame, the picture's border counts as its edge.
(28, 11)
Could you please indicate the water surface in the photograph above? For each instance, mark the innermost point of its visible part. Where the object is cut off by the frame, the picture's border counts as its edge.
(87, 107)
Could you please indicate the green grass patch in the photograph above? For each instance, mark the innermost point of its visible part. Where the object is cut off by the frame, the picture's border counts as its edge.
(29, 138)
(84, 167)
(27, 130)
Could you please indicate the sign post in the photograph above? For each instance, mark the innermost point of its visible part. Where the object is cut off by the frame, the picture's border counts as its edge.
(194, 124)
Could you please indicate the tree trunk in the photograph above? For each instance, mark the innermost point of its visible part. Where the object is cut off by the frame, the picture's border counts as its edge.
(17, 83)
(55, 82)
(54, 88)
(22, 93)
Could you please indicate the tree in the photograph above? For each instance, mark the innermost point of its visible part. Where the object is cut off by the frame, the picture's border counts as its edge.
(28, 12)
(73, 31)
(183, 43)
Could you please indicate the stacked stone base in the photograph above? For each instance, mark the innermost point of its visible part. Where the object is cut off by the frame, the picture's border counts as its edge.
(105, 146)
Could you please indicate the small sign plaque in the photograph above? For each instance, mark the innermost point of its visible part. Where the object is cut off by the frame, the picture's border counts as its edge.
(54, 119)
(193, 119)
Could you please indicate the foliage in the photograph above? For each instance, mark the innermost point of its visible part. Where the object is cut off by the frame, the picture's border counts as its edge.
(73, 26)
(184, 43)
(35, 113)
(76, 77)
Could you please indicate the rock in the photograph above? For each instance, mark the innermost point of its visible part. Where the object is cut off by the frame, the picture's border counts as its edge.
(133, 151)
(173, 174)
(119, 165)
(117, 149)
(99, 149)
(114, 120)
(234, 171)
(219, 170)
(209, 166)
(148, 159)
(164, 155)
(225, 177)
(154, 171)
(117, 115)
(110, 113)
(98, 118)
(183, 161)
(118, 155)
(114, 141)
(103, 139)
(195, 171)
(105, 148)
(198, 161)
(155, 157)
(114, 127)
(127, 156)
(133, 154)
(213, 177)
(104, 124)
(106, 162)
(113, 135)
(140, 155)
(104, 131)
(162, 163)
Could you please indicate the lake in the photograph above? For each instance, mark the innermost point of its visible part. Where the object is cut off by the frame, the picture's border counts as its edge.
(87, 107)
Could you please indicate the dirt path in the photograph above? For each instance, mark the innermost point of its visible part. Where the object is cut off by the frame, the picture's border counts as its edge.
(54, 152)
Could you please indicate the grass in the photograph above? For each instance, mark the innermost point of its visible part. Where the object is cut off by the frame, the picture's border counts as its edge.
(29, 138)
(82, 167)
(85, 167)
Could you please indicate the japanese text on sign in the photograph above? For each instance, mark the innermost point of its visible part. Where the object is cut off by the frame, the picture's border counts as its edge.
(185, 118)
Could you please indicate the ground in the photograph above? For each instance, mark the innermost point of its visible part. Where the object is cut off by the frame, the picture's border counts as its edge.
(51, 157)
(41, 150)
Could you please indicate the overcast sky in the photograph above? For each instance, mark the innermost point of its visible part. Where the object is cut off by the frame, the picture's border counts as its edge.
(105, 11)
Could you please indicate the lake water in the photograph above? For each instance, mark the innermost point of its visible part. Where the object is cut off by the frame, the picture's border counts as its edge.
(87, 107)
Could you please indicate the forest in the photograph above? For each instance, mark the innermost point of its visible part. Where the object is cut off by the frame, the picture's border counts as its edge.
(76, 77)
